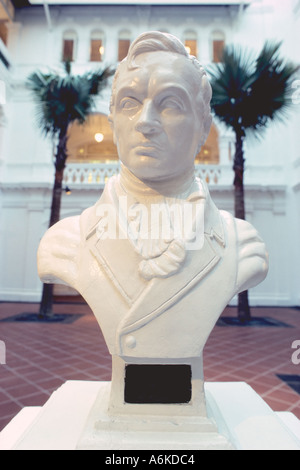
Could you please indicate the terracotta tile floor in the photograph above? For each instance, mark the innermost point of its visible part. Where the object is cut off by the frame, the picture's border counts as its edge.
(40, 357)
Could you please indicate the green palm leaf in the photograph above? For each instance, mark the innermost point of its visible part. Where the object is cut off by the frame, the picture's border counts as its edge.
(248, 92)
(63, 99)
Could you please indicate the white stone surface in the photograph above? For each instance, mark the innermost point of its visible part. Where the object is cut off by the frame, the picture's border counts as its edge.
(18, 426)
(238, 412)
(291, 421)
(244, 417)
(62, 418)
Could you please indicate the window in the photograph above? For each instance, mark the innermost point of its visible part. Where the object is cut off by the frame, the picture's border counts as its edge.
(190, 42)
(97, 50)
(92, 142)
(218, 44)
(96, 47)
(69, 45)
(218, 47)
(123, 48)
(68, 50)
(3, 32)
(124, 44)
(210, 152)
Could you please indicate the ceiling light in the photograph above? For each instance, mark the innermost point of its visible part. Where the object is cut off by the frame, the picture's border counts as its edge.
(99, 137)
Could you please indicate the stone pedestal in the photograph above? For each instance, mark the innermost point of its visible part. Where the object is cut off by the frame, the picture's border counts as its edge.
(237, 419)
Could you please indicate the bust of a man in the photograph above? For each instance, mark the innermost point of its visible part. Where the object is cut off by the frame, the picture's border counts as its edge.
(154, 258)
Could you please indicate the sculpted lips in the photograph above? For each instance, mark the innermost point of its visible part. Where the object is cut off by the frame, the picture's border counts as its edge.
(147, 148)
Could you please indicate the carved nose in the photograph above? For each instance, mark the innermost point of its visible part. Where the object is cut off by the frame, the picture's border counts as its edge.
(148, 121)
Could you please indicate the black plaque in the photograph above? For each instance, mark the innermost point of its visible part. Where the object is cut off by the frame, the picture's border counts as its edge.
(158, 383)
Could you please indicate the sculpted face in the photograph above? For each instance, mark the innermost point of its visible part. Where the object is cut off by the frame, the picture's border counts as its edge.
(156, 121)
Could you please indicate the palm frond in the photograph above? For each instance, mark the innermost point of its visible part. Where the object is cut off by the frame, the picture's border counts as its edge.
(64, 98)
(98, 79)
(271, 91)
(248, 92)
(230, 82)
(68, 66)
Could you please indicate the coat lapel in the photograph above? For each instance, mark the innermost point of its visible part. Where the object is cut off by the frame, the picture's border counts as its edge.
(120, 262)
(148, 299)
(161, 294)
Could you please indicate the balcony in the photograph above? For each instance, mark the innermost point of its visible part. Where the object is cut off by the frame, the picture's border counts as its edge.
(90, 175)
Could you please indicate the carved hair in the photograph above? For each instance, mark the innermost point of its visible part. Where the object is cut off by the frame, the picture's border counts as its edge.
(154, 41)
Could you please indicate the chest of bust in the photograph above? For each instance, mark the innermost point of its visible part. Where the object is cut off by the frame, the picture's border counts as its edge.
(161, 317)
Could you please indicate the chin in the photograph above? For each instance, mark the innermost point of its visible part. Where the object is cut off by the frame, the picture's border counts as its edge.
(147, 175)
(147, 168)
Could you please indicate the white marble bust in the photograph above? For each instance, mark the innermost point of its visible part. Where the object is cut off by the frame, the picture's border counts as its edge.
(156, 300)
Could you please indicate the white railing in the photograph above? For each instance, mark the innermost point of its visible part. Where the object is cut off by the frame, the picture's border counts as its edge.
(89, 174)
(210, 173)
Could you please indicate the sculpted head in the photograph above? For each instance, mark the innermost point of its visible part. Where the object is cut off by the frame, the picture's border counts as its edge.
(160, 108)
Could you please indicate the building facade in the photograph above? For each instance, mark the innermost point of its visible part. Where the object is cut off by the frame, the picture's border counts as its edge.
(40, 35)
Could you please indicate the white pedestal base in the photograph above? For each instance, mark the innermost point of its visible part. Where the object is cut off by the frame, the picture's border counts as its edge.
(243, 420)
(105, 431)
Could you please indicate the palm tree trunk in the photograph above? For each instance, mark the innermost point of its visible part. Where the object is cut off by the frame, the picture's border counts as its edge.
(238, 167)
(244, 314)
(46, 305)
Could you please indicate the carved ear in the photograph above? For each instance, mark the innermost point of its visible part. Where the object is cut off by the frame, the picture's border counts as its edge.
(111, 123)
(206, 128)
(204, 132)
(207, 117)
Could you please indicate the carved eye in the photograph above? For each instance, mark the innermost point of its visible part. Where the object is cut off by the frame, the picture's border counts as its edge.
(171, 103)
(129, 104)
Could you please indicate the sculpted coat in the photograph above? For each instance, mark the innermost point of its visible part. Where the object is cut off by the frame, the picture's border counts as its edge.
(169, 315)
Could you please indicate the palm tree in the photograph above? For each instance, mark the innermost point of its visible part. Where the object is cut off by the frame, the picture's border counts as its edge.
(248, 93)
(62, 99)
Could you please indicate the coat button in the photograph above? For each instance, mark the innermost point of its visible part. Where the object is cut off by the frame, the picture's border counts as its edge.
(130, 342)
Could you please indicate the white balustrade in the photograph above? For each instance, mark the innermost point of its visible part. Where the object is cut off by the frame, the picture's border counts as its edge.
(79, 174)
(209, 173)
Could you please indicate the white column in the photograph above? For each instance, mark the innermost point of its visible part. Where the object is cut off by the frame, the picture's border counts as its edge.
(204, 46)
(111, 47)
(13, 37)
(83, 47)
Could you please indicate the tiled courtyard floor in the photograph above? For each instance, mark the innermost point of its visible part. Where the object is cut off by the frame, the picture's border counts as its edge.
(42, 356)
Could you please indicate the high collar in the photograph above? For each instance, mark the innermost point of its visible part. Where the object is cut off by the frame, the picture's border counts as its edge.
(138, 191)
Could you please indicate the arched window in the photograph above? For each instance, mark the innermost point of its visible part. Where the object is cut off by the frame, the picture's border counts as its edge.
(97, 46)
(210, 152)
(69, 46)
(217, 45)
(123, 44)
(92, 142)
(3, 31)
(190, 42)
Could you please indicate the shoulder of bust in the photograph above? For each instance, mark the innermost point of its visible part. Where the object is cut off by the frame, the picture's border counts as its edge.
(58, 251)
(253, 259)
